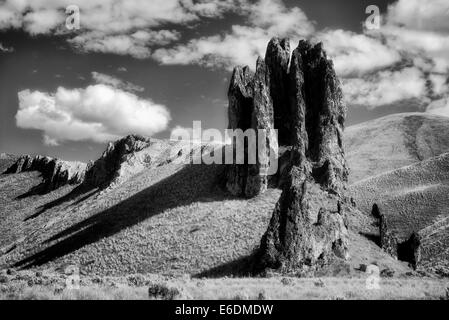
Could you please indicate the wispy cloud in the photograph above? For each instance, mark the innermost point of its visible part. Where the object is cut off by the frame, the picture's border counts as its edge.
(242, 45)
(115, 82)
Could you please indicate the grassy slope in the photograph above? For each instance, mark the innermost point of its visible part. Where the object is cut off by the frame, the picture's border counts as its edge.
(6, 160)
(170, 219)
(413, 197)
(393, 142)
(174, 219)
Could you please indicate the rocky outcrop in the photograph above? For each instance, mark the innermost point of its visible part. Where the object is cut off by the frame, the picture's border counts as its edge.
(251, 107)
(302, 99)
(120, 159)
(56, 173)
(389, 241)
(431, 248)
(277, 58)
(6, 160)
(309, 227)
(426, 249)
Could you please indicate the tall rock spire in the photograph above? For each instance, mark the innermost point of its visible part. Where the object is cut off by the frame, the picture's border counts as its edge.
(277, 58)
(308, 227)
(251, 107)
(302, 99)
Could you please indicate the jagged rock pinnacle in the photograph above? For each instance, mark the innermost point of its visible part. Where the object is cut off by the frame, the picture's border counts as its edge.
(308, 227)
(56, 173)
(301, 98)
(107, 169)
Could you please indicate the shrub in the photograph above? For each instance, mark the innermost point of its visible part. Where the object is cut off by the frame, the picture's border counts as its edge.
(162, 291)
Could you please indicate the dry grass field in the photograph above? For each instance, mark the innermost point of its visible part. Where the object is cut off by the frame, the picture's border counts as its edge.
(26, 285)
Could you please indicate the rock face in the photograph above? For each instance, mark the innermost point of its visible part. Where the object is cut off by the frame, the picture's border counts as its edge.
(56, 173)
(308, 227)
(6, 160)
(302, 99)
(119, 157)
(277, 58)
(425, 249)
(431, 248)
(251, 107)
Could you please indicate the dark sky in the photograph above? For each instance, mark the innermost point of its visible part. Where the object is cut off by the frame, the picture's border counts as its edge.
(190, 92)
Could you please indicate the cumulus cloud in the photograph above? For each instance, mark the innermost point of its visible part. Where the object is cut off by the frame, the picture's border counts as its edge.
(356, 54)
(98, 113)
(413, 41)
(420, 15)
(385, 88)
(420, 27)
(115, 82)
(242, 45)
(407, 58)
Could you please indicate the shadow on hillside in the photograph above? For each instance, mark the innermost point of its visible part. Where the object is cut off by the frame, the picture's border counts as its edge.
(38, 190)
(193, 183)
(372, 237)
(86, 191)
(241, 267)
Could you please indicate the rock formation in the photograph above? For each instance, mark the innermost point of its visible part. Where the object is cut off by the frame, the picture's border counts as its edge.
(56, 173)
(259, 101)
(277, 59)
(251, 107)
(425, 249)
(119, 157)
(301, 98)
(279, 97)
(431, 248)
(308, 227)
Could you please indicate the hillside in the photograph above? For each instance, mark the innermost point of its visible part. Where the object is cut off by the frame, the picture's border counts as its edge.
(163, 216)
(413, 202)
(399, 163)
(140, 208)
(166, 218)
(170, 218)
(6, 160)
(393, 142)
(421, 188)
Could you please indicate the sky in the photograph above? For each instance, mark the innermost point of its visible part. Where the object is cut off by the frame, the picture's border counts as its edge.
(152, 67)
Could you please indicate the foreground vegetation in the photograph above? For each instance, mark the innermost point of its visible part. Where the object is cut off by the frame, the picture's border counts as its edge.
(41, 285)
